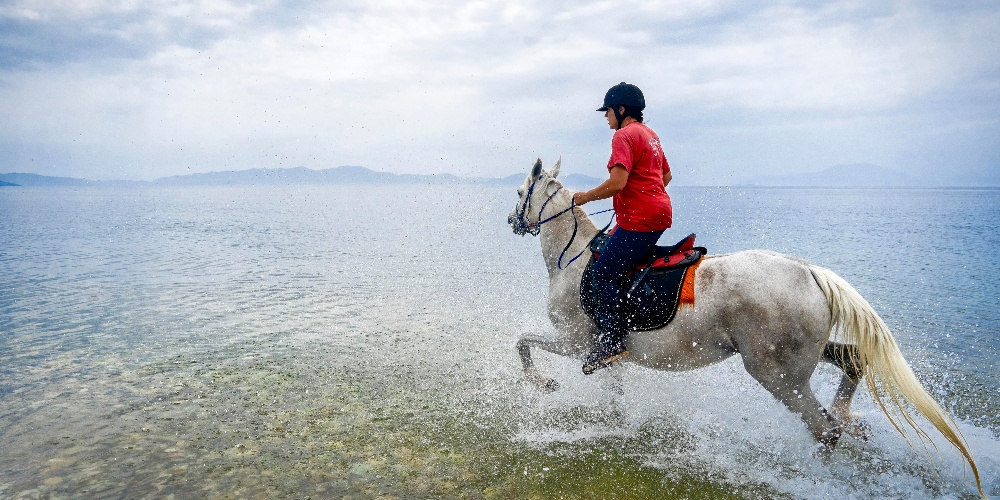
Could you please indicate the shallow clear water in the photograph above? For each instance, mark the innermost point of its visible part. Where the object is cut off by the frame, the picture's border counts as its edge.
(358, 341)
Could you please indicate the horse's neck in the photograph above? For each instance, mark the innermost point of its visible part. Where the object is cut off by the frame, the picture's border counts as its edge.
(558, 232)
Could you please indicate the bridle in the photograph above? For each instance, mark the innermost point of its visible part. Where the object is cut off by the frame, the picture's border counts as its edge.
(522, 226)
(520, 222)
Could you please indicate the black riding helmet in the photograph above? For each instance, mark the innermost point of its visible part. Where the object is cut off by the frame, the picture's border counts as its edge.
(623, 94)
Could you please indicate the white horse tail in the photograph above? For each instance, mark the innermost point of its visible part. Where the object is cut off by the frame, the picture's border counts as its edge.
(889, 377)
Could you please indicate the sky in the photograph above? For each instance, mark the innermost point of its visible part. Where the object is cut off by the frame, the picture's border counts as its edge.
(147, 89)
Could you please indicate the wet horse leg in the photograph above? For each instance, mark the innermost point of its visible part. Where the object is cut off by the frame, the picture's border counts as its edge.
(825, 430)
(791, 386)
(846, 358)
(528, 364)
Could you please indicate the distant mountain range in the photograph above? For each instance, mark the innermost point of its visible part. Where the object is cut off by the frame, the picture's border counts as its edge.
(853, 175)
(288, 176)
(302, 175)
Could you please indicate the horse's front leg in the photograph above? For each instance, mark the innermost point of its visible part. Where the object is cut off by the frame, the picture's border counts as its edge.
(530, 372)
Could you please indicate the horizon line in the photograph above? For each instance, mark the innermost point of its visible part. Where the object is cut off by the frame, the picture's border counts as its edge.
(474, 179)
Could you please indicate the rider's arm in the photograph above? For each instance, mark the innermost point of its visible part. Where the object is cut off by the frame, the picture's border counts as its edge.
(607, 189)
(666, 178)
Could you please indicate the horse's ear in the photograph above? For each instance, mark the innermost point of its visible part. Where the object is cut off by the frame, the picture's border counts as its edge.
(537, 170)
(555, 169)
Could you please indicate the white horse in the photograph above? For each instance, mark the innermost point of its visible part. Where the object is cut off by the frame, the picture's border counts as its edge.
(778, 312)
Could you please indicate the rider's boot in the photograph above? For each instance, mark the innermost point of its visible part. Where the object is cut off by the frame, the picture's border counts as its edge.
(610, 347)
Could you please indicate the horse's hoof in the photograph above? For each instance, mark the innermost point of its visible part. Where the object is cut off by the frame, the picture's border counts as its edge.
(854, 426)
(544, 383)
(826, 444)
(858, 429)
(830, 438)
(548, 385)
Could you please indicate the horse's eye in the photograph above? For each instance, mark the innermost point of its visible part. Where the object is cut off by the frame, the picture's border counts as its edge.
(520, 192)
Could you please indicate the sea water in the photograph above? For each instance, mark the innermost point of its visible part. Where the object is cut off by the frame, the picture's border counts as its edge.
(357, 341)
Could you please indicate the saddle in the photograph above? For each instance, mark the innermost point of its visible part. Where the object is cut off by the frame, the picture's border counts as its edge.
(651, 291)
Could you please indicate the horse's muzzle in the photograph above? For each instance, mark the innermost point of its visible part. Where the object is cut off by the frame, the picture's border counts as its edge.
(514, 220)
(520, 227)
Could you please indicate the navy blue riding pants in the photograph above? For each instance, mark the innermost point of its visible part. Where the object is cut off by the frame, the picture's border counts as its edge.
(622, 253)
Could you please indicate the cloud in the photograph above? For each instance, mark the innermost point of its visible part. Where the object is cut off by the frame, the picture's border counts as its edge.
(39, 34)
(132, 90)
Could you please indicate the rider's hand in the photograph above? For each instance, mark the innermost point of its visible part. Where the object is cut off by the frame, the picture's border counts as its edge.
(578, 198)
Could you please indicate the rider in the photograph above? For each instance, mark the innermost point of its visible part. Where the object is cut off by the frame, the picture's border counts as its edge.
(639, 174)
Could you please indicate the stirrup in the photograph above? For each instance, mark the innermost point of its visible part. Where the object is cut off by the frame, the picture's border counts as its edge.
(597, 360)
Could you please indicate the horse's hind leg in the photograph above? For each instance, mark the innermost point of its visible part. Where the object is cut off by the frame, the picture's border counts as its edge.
(825, 430)
(789, 383)
(846, 358)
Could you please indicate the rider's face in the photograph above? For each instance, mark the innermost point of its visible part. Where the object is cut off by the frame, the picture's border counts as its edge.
(612, 121)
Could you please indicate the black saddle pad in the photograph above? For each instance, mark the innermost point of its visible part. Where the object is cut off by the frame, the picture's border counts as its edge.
(650, 295)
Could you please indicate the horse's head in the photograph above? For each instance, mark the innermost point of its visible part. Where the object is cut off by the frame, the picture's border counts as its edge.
(532, 196)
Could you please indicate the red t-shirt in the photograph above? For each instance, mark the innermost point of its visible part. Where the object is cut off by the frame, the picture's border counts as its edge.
(644, 204)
